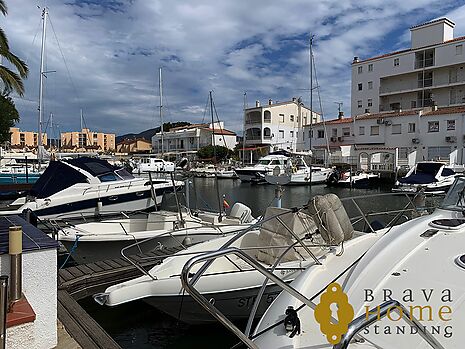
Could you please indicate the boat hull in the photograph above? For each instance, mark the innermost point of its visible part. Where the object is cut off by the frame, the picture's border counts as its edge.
(235, 305)
(246, 175)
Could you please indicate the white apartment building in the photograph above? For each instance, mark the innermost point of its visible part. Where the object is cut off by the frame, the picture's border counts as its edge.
(430, 72)
(277, 125)
(189, 139)
(395, 138)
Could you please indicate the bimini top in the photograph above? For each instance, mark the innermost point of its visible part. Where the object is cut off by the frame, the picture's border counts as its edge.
(60, 175)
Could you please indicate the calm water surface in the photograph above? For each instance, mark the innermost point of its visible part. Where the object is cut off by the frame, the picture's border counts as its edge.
(138, 325)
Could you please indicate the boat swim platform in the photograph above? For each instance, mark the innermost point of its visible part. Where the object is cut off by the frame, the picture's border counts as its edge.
(81, 281)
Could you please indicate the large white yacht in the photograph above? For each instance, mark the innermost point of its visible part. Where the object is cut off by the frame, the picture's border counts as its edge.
(86, 185)
(406, 291)
(298, 172)
(264, 165)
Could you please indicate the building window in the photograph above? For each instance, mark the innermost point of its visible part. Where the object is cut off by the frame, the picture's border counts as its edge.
(370, 85)
(291, 118)
(346, 131)
(267, 116)
(281, 117)
(374, 131)
(413, 104)
(291, 134)
(281, 134)
(361, 130)
(450, 125)
(267, 133)
(321, 134)
(359, 104)
(360, 86)
(458, 49)
(396, 62)
(360, 70)
(396, 129)
(370, 67)
(370, 102)
(411, 127)
(433, 126)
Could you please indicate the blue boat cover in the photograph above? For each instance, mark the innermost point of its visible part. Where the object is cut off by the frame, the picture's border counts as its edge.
(424, 173)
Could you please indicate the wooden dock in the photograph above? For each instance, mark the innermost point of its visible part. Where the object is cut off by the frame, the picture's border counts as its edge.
(77, 282)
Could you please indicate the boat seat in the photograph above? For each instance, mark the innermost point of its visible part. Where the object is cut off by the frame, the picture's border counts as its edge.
(273, 233)
(161, 220)
(241, 212)
(331, 218)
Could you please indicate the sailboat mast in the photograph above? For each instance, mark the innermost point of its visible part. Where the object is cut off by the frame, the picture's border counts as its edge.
(81, 121)
(41, 86)
(160, 86)
(311, 89)
(243, 129)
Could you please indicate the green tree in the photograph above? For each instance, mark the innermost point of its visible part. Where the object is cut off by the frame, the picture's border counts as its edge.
(208, 152)
(12, 81)
(8, 116)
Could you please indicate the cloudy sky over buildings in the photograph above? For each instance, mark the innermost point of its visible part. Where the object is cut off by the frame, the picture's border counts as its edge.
(105, 54)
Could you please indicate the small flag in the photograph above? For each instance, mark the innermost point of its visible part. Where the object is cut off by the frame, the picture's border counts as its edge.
(225, 204)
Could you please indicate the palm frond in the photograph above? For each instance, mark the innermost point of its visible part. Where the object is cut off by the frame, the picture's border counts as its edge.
(20, 65)
(3, 41)
(3, 7)
(11, 81)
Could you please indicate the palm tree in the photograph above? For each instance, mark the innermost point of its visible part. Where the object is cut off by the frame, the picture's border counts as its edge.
(12, 81)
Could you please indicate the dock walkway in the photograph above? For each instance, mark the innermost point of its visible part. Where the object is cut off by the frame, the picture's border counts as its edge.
(78, 282)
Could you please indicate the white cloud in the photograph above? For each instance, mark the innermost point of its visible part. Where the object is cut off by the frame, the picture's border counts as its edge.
(113, 50)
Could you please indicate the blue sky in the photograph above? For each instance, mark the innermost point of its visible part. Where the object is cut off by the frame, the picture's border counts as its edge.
(113, 49)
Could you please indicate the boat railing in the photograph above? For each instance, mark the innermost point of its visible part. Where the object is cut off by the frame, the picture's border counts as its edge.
(379, 312)
(209, 257)
(188, 284)
(361, 216)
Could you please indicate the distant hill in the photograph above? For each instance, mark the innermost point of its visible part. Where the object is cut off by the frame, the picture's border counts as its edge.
(148, 134)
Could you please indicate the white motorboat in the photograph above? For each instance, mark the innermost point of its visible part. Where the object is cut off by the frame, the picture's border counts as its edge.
(357, 179)
(431, 176)
(206, 171)
(92, 241)
(406, 291)
(298, 173)
(229, 282)
(89, 186)
(152, 164)
(265, 165)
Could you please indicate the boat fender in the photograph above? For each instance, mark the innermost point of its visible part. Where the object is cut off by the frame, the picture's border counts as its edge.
(99, 207)
(292, 322)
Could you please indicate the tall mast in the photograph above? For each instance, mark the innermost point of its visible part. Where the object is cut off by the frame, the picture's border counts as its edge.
(81, 121)
(243, 129)
(311, 90)
(161, 108)
(41, 86)
(220, 210)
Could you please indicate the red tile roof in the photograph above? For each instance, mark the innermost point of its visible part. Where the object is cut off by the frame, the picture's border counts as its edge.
(392, 114)
(221, 132)
(335, 122)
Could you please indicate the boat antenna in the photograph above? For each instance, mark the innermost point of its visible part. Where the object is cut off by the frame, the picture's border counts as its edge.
(220, 207)
(160, 86)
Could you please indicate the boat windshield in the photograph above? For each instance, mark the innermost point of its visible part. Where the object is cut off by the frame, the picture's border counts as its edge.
(263, 162)
(455, 198)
